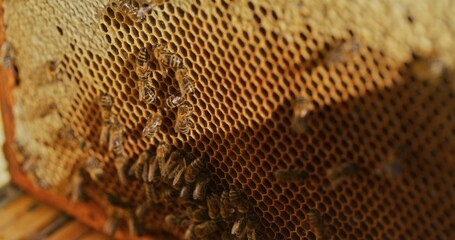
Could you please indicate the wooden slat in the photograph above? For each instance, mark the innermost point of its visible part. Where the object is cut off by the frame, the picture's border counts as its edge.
(92, 235)
(30, 223)
(13, 211)
(71, 231)
(54, 226)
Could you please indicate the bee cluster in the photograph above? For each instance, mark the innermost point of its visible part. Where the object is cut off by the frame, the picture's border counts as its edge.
(147, 91)
(91, 168)
(174, 176)
(120, 210)
(171, 175)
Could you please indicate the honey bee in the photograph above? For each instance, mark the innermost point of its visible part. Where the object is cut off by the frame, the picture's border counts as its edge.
(185, 85)
(239, 227)
(316, 221)
(226, 235)
(126, 7)
(107, 117)
(162, 151)
(174, 221)
(53, 70)
(189, 233)
(184, 125)
(150, 193)
(205, 229)
(171, 220)
(75, 188)
(343, 52)
(168, 195)
(153, 170)
(142, 11)
(213, 206)
(152, 126)
(183, 122)
(105, 128)
(184, 110)
(178, 178)
(133, 224)
(147, 92)
(199, 214)
(302, 107)
(252, 234)
(137, 168)
(94, 169)
(166, 59)
(52, 66)
(251, 227)
(105, 102)
(120, 163)
(117, 201)
(176, 170)
(174, 100)
(237, 202)
(6, 55)
(111, 224)
(291, 175)
(186, 192)
(226, 209)
(142, 209)
(194, 169)
(174, 159)
(338, 174)
(200, 189)
(392, 166)
(116, 138)
(428, 69)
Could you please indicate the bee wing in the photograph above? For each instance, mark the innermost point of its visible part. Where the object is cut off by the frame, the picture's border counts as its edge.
(133, 168)
(133, 226)
(96, 174)
(189, 233)
(161, 164)
(169, 168)
(112, 140)
(120, 163)
(251, 234)
(153, 171)
(178, 179)
(190, 122)
(104, 135)
(150, 193)
(177, 124)
(185, 192)
(145, 170)
(200, 190)
(110, 226)
(239, 227)
(173, 172)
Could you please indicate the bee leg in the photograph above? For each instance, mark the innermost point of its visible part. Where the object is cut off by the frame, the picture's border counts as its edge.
(120, 163)
(141, 89)
(163, 71)
(150, 193)
(104, 135)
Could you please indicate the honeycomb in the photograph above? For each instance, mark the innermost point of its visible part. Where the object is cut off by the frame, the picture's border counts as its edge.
(249, 61)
